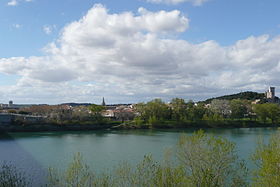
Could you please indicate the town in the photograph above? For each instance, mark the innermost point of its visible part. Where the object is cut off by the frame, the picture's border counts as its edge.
(85, 113)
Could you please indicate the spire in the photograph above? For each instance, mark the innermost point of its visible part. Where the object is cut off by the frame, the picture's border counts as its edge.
(103, 102)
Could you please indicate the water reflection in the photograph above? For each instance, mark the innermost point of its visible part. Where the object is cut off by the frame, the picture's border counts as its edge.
(13, 152)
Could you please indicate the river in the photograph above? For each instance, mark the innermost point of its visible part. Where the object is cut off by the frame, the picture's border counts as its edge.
(36, 152)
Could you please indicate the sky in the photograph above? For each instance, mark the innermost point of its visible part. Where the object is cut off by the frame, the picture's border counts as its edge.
(131, 51)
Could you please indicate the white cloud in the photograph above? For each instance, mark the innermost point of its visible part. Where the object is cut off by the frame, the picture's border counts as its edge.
(128, 58)
(12, 3)
(16, 26)
(174, 2)
(16, 2)
(48, 29)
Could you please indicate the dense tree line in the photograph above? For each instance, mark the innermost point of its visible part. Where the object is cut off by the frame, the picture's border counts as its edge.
(157, 112)
(196, 160)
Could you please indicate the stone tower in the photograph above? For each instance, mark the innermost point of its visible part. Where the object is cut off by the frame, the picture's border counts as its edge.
(270, 93)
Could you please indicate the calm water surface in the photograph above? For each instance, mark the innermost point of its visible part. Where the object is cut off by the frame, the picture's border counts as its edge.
(35, 152)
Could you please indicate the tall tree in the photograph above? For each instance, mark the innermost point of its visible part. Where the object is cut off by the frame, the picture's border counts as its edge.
(178, 107)
(221, 107)
(238, 108)
(210, 161)
(267, 161)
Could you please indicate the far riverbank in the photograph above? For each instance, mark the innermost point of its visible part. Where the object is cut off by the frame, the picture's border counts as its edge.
(130, 125)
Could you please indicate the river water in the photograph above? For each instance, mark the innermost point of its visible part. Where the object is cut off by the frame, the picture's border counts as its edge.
(102, 150)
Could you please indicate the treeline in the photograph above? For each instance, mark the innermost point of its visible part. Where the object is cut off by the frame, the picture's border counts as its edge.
(196, 160)
(157, 113)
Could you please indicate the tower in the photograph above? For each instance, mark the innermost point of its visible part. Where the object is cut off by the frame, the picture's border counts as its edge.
(11, 103)
(270, 94)
(103, 102)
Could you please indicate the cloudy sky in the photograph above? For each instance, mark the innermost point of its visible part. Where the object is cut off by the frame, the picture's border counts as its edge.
(55, 51)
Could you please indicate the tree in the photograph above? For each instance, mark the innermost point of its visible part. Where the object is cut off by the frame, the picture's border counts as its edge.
(267, 110)
(196, 113)
(273, 112)
(96, 111)
(221, 107)
(178, 107)
(267, 160)
(261, 112)
(10, 176)
(238, 108)
(155, 108)
(76, 175)
(210, 161)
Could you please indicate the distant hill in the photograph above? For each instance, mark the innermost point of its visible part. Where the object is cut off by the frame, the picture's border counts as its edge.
(242, 95)
(76, 104)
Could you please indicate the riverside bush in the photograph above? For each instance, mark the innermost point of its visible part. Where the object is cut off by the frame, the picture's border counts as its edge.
(10, 176)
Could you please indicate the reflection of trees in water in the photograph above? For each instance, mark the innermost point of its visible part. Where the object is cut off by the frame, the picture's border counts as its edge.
(13, 153)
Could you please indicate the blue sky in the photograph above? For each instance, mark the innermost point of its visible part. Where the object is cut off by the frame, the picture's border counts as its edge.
(28, 27)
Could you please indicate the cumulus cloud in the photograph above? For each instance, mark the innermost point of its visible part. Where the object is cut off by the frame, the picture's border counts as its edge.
(174, 2)
(130, 57)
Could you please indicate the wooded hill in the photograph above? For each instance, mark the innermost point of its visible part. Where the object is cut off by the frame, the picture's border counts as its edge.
(242, 95)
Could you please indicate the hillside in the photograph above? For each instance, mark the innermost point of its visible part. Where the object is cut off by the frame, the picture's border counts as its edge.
(242, 95)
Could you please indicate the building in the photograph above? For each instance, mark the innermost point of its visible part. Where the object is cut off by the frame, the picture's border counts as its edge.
(270, 93)
(103, 102)
(108, 113)
(11, 104)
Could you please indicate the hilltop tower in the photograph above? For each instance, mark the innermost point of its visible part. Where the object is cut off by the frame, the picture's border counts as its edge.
(270, 93)
(103, 102)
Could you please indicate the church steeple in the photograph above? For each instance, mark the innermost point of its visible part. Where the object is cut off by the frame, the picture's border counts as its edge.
(103, 102)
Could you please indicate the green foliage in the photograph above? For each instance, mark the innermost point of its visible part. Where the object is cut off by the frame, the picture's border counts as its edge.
(96, 111)
(178, 107)
(261, 112)
(195, 113)
(267, 160)
(242, 96)
(153, 121)
(155, 108)
(239, 108)
(10, 176)
(138, 121)
(76, 175)
(221, 107)
(210, 161)
(267, 111)
(24, 112)
(213, 119)
(273, 112)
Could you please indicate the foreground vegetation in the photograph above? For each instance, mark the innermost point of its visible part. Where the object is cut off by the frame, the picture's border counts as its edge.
(196, 161)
